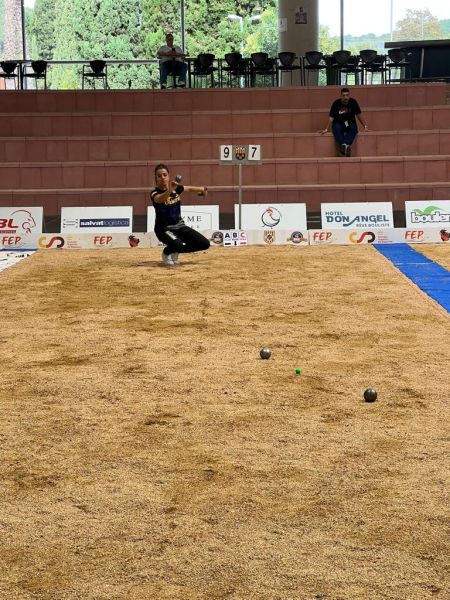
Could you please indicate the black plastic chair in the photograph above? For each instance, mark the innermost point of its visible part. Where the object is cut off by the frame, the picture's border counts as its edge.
(313, 61)
(9, 72)
(286, 65)
(372, 62)
(236, 70)
(98, 71)
(346, 64)
(204, 69)
(38, 72)
(397, 62)
(263, 66)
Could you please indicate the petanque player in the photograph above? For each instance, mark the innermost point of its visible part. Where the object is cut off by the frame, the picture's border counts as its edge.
(170, 229)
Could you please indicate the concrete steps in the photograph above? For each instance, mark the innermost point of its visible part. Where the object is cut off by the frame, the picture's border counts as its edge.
(136, 101)
(167, 148)
(100, 148)
(237, 122)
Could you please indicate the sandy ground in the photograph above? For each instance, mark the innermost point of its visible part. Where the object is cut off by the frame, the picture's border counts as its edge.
(149, 453)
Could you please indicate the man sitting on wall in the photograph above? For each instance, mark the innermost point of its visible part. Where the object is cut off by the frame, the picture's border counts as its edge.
(342, 119)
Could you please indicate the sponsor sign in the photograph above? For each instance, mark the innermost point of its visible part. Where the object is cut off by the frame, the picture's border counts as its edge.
(272, 216)
(378, 236)
(235, 237)
(357, 215)
(199, 217)
(92, 241)
(435, 213)
(20, 227)
(97, 219)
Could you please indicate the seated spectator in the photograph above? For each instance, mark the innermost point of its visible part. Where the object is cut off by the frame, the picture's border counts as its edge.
(171, 60)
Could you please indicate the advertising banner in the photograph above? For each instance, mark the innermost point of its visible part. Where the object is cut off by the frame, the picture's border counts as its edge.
(433, 213)
(20, 227)
(54, 241)
(377, 236)
(97, 219)
(271, 216)
(355, 215)
(199, 217)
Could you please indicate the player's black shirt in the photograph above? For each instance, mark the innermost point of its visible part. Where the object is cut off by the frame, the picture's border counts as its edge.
(168, 213)
(345, 113)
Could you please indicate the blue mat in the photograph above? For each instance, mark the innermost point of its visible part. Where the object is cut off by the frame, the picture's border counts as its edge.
(430, 277)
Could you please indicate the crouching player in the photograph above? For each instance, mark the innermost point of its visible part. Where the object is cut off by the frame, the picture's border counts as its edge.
(170, 229)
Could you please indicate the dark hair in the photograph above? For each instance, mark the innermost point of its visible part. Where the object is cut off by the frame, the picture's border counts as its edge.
(345, 90)
(161, 166)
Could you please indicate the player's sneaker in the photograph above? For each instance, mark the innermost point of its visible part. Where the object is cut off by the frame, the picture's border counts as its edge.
(174, 256)
(167, 259)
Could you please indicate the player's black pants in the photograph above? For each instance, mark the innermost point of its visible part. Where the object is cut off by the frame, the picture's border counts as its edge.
(182, 239)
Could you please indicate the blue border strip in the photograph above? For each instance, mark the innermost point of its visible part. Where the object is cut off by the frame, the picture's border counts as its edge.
(430, 277)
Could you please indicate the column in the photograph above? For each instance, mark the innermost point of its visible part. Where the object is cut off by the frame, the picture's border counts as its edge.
(298, 30)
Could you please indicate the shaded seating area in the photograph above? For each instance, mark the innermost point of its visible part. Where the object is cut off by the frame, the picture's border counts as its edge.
(233, 70)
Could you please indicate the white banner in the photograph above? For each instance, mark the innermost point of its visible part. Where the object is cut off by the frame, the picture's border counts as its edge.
(20, 227)
(97, 219)
(377, 236)
(353, 215)
(432, 213)
(201, 217)
(75, 241)
(271, 216)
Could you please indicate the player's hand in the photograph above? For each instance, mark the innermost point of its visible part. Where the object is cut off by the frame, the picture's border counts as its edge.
(203, 192)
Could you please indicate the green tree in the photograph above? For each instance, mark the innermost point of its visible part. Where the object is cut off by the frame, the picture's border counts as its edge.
(418, 25)
(41, 31)
(264, 33)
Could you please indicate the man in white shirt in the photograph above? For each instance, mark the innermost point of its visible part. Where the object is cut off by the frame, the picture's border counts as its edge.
(171, 59)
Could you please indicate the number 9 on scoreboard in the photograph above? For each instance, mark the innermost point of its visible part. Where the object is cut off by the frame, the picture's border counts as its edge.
(226, 153)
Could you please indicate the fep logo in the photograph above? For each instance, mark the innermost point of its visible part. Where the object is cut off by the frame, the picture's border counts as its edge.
(102, 240)
(20, 221)
(322, 237)
(271, 217)
(415, 235)
(367, 237)
(53, 242)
